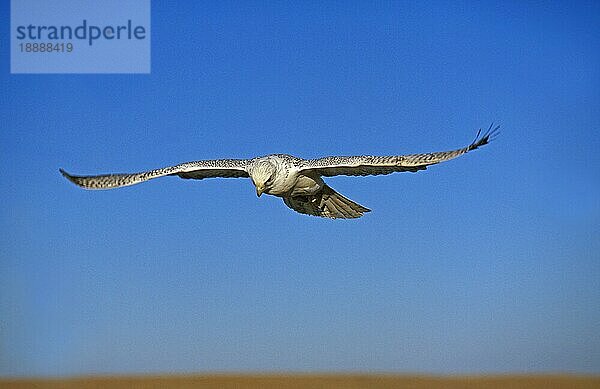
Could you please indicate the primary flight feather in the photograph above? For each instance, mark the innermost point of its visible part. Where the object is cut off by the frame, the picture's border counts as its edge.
(298, 181)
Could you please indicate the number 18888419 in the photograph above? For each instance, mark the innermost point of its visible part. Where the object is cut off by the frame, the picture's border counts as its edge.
(46, 47)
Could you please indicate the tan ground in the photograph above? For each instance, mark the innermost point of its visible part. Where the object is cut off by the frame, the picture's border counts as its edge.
(308, 381)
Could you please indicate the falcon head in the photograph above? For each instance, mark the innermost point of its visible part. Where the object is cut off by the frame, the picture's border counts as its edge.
(262, 176)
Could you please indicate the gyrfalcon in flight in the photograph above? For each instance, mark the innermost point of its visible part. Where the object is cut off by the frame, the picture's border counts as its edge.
(298, 181)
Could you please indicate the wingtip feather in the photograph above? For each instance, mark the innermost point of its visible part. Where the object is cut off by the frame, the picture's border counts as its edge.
(66, 175)
(491, 134)
(74, 179)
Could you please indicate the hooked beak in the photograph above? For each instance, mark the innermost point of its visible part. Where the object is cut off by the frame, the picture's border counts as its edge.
(260, 190)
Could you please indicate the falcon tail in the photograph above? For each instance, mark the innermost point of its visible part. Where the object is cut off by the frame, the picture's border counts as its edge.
(327, 203)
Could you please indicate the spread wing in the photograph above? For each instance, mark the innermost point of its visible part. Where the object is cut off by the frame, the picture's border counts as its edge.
(223, 168)
(367, 165)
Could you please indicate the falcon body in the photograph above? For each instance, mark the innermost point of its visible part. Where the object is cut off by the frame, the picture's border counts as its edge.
(282, 177)
(298, 181)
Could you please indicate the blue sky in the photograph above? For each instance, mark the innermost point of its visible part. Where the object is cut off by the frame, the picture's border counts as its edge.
(485, 264)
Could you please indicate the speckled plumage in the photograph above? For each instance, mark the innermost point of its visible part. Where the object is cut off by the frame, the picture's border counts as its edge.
(298, 181)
